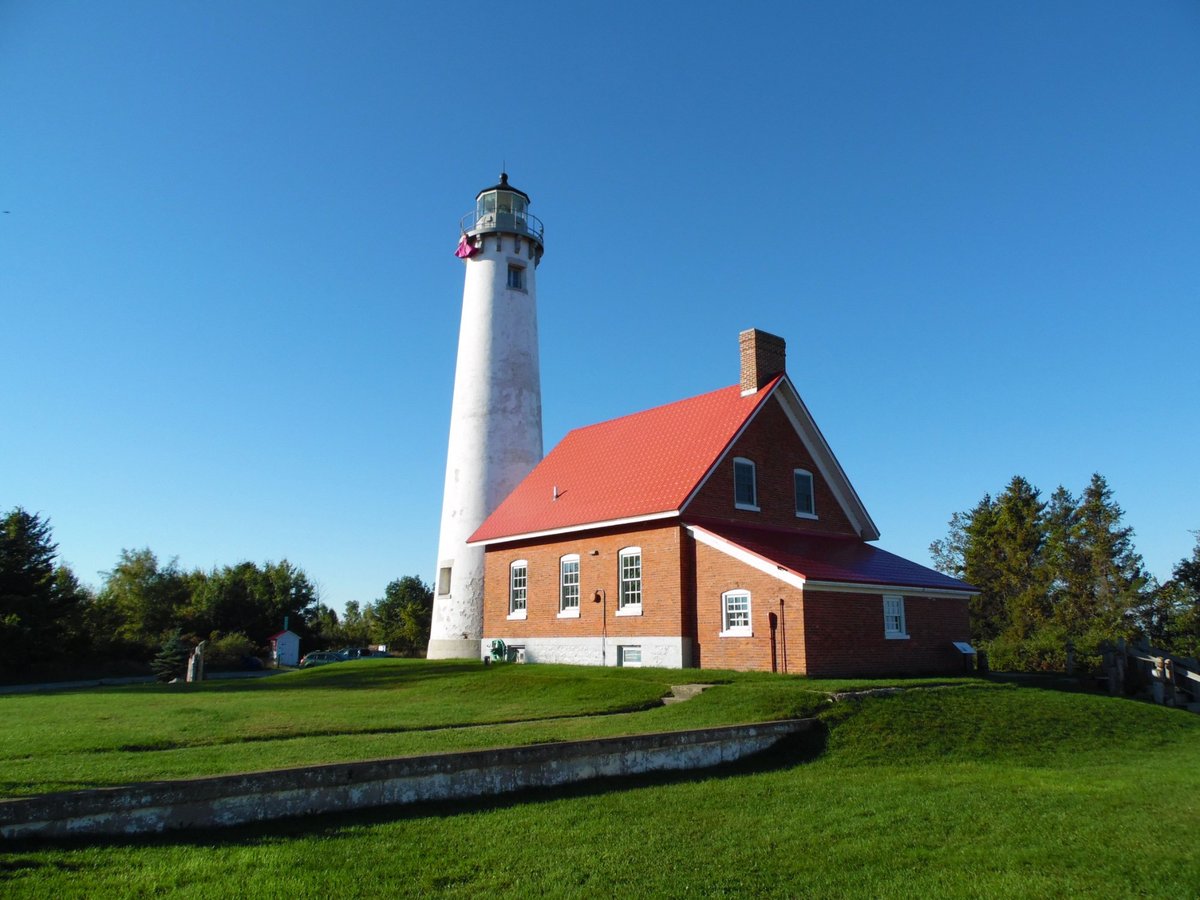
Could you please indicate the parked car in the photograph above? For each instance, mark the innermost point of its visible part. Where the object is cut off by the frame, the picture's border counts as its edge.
(356, 653)
(319, 658)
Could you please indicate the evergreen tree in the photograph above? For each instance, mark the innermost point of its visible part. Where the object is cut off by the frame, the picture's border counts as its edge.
(39, 601)
(1052, 573)
(1101, 577)
(1170, 615)
(997, 547)
(171, 660)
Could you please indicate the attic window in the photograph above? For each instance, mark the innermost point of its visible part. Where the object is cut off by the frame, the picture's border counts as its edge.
(745, 486)
(805, 508)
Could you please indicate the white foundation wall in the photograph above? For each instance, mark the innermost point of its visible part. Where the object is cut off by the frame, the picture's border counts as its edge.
(495, 428)
(666, 652)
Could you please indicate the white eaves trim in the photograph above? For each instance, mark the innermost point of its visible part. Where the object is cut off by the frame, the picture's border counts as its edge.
(583, 526)
(741, 554)
(848, 587)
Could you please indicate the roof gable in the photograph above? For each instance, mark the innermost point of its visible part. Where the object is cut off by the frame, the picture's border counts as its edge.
(651, 465)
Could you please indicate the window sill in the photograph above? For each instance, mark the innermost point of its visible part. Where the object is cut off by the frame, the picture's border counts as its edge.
(896, 637)
(801, 515)
(747, 507)
(630, 610)
(518, 614)
(569, 613)
(736, 632)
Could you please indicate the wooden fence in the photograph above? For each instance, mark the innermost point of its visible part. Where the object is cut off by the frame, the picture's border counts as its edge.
(1142, 670)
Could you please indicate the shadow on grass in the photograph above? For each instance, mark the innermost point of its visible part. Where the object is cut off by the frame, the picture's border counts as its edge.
(365, 674)
(793, 750)
(1050, 681)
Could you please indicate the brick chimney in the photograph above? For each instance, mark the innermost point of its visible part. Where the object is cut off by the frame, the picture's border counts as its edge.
(763, 358)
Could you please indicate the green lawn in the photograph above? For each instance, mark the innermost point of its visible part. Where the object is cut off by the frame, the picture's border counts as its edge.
(972, 790)
(358, 710)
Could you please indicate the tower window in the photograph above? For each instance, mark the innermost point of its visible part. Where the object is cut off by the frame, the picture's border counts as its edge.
(444, 580)
(516, 277)
(745, 487)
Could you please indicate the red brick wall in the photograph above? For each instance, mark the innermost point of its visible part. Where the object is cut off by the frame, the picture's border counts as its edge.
(662, 584)
(716, 573)
(772, 444)
(821, 633)
(845, 635)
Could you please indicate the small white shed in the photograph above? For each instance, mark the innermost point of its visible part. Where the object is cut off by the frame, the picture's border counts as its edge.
(285, 648)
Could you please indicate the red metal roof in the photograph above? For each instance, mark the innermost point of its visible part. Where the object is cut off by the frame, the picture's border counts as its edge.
(636, 466)
(837, 559)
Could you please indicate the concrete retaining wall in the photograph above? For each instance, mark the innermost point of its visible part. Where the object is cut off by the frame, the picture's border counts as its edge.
(237, 799)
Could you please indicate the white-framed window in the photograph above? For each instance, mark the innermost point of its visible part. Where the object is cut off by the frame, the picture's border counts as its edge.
(516, 277)
(745, 485)
(568, 586)
(518, 589)
(893, 616)
(806, 507)
(735, 614)
(629, 655)
(443, 584)
(629, 576)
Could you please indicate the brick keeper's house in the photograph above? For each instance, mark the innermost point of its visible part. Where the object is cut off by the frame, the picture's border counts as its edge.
(719, 531)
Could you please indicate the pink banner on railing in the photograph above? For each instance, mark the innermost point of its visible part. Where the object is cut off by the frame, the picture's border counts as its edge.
(465, 248)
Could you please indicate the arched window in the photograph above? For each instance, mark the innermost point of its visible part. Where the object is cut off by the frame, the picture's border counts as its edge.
(735, 614)
(518, 589)
(745, 485)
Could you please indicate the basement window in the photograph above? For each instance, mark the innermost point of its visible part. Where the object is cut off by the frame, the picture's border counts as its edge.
(629, 655)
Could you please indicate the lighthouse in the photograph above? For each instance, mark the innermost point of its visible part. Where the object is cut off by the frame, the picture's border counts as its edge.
(496, 414)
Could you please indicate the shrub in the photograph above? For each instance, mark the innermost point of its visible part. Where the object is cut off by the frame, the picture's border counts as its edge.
(225, 653)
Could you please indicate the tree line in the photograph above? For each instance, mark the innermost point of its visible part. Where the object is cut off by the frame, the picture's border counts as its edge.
(50, 622)
(1064, 571)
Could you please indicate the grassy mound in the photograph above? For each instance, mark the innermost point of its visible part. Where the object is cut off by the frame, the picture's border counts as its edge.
(970, 790)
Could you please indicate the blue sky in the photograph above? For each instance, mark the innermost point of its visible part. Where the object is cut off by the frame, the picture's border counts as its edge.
(229, 305)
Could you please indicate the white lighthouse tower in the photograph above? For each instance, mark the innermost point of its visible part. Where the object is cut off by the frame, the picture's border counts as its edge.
(496, 418)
